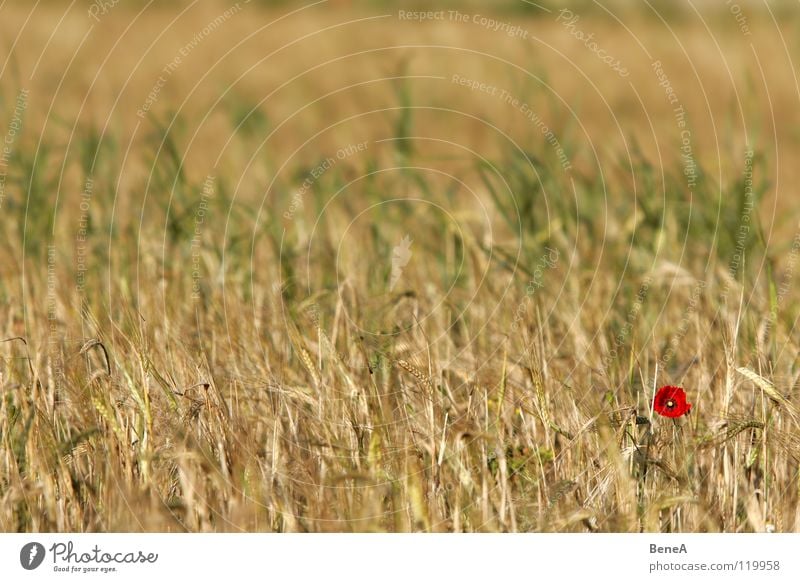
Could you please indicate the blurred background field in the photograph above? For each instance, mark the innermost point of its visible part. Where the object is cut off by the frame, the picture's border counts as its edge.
(272, 266)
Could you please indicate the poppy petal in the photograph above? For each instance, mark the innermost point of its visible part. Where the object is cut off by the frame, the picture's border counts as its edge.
(670, 401)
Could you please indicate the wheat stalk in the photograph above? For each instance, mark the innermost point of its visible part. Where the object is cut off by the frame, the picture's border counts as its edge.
(416, 372)
(769, 389)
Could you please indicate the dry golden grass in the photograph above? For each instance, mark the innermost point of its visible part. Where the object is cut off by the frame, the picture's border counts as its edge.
(231, 361)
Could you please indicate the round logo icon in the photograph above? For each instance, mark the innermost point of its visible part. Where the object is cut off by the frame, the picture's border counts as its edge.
(31, 555)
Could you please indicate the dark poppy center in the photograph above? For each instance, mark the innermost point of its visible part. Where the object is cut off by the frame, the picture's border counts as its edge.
(670, 403)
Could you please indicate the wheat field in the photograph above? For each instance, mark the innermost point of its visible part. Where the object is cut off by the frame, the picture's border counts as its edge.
(349, 266)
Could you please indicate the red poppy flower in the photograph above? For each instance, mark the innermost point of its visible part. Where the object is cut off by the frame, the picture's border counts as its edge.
(670, 401)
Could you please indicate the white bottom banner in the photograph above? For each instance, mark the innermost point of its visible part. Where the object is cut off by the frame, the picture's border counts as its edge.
(356, 557)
